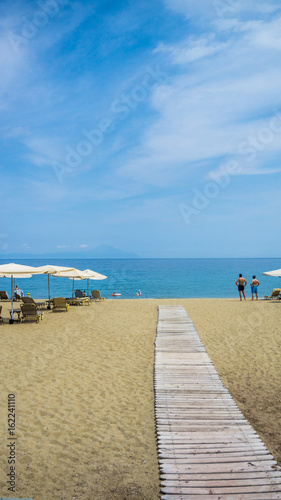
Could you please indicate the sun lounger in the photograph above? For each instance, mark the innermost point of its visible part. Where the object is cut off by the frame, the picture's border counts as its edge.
(1, 319)
(275, 294)
(78, 294)
(17, 296)
(96, 295)
(3, 295)
(60, 304)
(83, 301)
(30, 300)
(30, 313)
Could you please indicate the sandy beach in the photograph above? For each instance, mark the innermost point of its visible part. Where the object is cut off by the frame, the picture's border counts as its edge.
(83, 382)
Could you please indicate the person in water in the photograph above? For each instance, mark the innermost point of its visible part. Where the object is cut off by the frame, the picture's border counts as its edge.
(254, 287)
(241, 283)
(138, 293)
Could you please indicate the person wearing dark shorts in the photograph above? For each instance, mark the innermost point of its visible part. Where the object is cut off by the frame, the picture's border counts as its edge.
(254, 287)
(241, 283)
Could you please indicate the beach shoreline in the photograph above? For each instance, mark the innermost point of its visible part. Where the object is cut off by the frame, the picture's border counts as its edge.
(83, 382)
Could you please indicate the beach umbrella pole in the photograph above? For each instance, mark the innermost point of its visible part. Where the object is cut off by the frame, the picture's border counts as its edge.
(49, 306)
(12, 304)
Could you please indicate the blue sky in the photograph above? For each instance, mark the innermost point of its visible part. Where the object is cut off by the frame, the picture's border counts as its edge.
(151, 127)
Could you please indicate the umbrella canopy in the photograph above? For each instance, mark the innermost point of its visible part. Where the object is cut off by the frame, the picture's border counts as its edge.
(50, 269)
(78, 274)
(17, 269)
(92, 275)
(72, 273)
(13, 270)
(276, 273)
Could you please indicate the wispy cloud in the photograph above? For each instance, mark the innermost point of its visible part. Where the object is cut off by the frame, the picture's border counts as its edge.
(208, 110)
(211, 10)
(191, 50)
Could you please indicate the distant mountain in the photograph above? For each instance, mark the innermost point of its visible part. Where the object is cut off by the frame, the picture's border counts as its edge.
(100, 252)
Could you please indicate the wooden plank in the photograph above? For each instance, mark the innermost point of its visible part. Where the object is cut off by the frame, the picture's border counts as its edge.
(223, 433)
(245, 490)
(211, 454)
(232, 496)
(210, 483)
(212, 451)
(266, 475)
(214, 468)
(218, 459)
(183, 424)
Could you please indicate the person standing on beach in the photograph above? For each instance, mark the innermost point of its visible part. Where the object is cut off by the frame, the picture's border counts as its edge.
(254, 287)
(241, 283)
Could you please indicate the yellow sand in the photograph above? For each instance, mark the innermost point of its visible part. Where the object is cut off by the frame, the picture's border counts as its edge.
(84, 387)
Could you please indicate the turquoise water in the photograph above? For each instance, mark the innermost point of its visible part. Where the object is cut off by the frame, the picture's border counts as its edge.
(156, 278)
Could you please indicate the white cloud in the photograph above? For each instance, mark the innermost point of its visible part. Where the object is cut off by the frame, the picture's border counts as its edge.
(13, 67)
(191, 50)
(265, 35)
(221, 9)
(205, 113)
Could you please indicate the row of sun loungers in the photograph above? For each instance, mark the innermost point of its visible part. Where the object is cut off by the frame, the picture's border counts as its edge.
(78, 295)
(32, 311)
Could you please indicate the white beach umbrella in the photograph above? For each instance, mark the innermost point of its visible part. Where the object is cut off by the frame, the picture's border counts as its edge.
(12, 271)
(78, 274)
(50, 269)
(276, 273)
(18, 269)
(72, 274)
(92, 275)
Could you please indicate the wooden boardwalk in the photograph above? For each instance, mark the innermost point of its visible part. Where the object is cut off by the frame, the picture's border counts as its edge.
(206, 447)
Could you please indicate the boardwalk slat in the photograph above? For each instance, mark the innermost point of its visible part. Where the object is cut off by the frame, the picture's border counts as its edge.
(222, 491)
(221, 478)
(214, 467)
(232, 496)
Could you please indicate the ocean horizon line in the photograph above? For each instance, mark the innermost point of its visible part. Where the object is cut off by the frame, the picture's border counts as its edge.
(79, 257)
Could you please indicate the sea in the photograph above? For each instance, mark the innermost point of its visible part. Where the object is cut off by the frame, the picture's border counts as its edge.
(155, 278)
